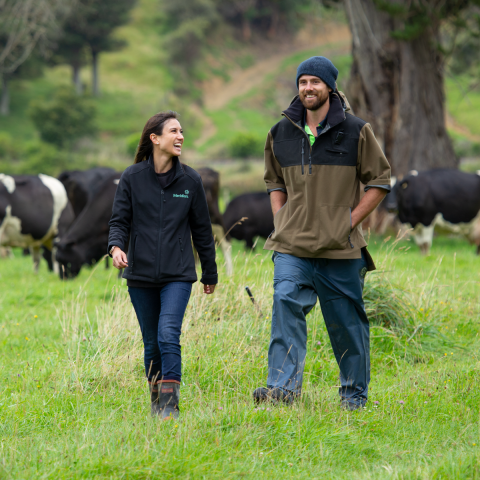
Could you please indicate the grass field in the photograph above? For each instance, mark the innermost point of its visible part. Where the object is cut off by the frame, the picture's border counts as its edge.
(74, 403)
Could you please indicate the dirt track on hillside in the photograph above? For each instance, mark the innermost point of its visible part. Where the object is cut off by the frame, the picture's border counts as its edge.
(218, 93)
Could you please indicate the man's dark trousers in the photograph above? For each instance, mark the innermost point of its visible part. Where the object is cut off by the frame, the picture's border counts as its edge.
(339, 287)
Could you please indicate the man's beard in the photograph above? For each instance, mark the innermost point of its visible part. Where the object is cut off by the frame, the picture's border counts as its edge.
(315, 106)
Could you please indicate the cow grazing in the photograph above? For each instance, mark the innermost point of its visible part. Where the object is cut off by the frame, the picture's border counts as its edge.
(211, 185)
(83, 185)
(34, 209)
(445, 200)
(257, 211)
(86, 240)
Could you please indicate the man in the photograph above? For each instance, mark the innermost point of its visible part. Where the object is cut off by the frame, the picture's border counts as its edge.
(315, 159)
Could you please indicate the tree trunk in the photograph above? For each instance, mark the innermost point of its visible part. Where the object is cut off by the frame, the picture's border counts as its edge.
(272, 31)
(397, 86)
(5, 98)
(77, 81)
(246, 29)
(95, 78)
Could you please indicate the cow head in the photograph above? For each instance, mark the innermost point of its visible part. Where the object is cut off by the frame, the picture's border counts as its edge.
(390, 201)
(69, 258)
(72, 256)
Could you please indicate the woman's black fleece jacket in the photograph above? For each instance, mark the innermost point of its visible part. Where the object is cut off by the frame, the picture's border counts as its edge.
(156, 224)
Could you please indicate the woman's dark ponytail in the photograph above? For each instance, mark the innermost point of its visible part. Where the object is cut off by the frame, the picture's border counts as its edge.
(154, 125)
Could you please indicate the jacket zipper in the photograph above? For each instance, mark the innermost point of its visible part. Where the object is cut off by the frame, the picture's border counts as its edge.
(326, 129)
(303, 142)
(181, 251)
(159, 247)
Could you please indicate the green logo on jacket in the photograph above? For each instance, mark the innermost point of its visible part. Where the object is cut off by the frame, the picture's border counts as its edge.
(182, 195)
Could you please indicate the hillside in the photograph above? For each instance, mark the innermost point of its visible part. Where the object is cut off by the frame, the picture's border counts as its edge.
(244, 87)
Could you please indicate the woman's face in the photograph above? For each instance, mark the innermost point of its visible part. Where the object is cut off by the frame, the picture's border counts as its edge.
(171, 140)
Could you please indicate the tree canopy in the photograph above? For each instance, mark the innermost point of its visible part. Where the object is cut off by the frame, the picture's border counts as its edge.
(89, 26)
(25, 26)
(190, 24)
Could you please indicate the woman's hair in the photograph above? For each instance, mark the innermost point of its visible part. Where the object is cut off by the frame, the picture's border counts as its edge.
(154, 125)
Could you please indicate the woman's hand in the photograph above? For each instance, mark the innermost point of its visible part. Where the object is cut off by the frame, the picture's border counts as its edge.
(119, 258)
(208, 289)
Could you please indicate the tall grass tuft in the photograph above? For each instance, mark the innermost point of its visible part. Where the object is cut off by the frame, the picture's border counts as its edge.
(388, 305)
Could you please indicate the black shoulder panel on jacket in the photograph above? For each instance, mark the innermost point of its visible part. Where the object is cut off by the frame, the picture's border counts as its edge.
(355, 123)
(285, 129)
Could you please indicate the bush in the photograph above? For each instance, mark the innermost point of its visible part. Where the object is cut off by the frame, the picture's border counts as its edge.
(245, 145)
(7, 146)
(132, 143)
(63, 119)
(41, 157)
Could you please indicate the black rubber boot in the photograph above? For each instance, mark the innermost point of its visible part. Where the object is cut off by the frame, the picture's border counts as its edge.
(169, 399)
(274, 395)
(155, 406)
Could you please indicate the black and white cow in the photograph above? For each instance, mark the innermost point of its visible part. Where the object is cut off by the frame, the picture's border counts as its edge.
(255, 208)
(34, 209)
(86, 240)
(81, 185)
(446, 200)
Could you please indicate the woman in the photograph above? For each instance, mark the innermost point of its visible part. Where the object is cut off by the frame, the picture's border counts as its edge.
(159, 205)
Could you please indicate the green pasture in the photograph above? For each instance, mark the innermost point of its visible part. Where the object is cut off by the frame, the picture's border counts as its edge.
(74, 403)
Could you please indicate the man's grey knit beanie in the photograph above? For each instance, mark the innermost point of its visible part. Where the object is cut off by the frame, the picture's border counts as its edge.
(319, 67)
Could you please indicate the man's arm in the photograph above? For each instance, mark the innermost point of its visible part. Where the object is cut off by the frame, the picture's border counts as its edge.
(367, 205)
(278, 198)
(273, 177)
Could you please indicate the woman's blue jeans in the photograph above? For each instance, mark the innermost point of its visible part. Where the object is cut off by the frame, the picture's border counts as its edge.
(160, 314)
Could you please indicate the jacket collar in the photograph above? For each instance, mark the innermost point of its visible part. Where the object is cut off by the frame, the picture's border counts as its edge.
(336, 114)
(176, 165)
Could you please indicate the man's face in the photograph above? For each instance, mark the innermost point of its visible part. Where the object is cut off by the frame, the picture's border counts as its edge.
(313, 92)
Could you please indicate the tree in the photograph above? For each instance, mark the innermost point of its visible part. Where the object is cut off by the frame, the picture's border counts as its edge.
(100, 21)
(29, 69)
(462, 39)
(190, 26)
(70, 49)
(241, 12)
(25, 25)
(396, 80)
(262, 16)
(187, 23)
(89, 27)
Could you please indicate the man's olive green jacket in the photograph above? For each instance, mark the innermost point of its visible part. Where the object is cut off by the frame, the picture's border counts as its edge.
(322, 181)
